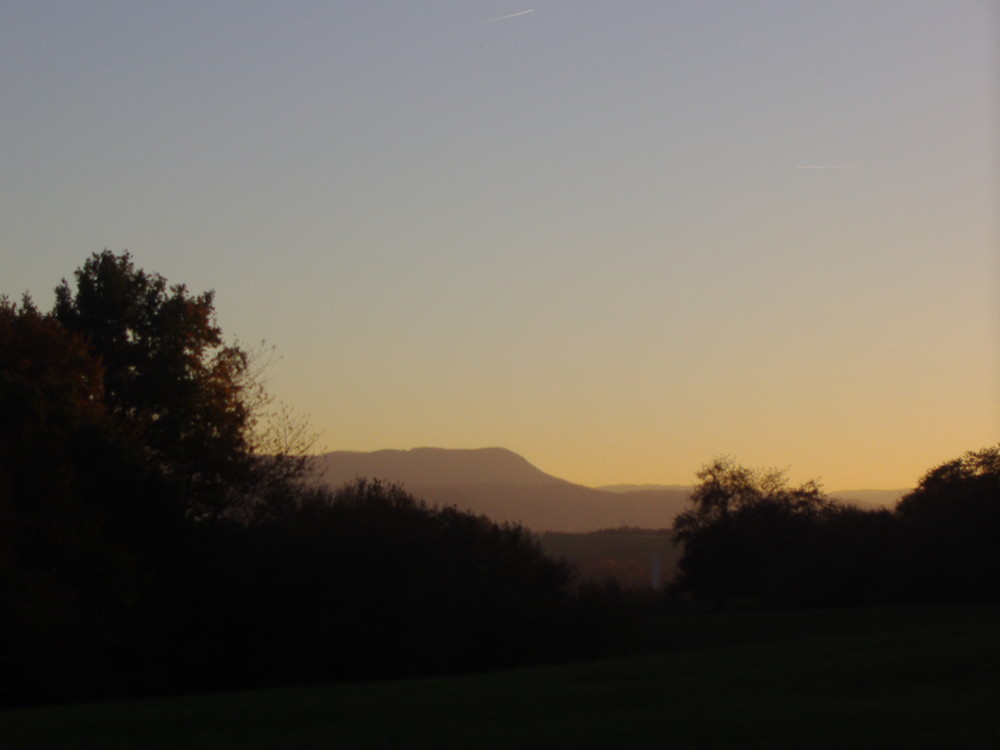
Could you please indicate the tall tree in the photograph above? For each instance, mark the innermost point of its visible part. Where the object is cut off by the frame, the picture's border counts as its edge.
(70, 530)
(125, 423)
(169, 376)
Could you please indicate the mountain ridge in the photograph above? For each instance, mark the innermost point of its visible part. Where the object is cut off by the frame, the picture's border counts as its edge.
(435, 466)
(503, 485)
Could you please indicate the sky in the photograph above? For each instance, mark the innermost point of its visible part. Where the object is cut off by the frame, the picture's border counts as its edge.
(618, 238)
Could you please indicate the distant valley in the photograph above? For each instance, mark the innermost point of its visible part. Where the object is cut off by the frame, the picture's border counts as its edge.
(501, 484)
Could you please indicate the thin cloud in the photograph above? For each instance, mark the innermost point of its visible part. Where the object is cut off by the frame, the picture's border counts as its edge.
(511, 15)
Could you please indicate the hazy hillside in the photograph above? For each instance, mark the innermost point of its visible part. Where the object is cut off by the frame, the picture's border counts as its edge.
(885, 498)
(433, 467)
(505, 487)
(642, 487)
(632, 558)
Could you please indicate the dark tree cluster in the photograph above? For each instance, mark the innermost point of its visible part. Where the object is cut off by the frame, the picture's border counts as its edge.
(156, 537)
(159, 531)
(947, 530)
(365, 582)
(750, 536)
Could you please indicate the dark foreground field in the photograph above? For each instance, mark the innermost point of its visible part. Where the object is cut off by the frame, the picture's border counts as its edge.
(908, 678)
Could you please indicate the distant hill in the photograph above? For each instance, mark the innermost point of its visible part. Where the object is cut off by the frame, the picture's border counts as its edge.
(883, 498)
(642, 487)
(886, 498)
(434, 467)
(504, 486)
(635, 559)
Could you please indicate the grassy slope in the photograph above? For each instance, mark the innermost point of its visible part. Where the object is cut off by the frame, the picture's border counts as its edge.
(910, 678)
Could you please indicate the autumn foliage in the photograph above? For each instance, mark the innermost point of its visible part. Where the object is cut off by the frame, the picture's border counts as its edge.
(155, 537)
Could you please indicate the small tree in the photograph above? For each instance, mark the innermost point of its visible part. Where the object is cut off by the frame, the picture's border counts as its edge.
(740, 524)
(727, 488)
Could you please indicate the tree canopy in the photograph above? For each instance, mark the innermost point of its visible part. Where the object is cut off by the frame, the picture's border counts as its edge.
(155, 536)
(167, 373)
(727, 489)
(741, 529)
(748, 534)
(152, 537)
(948, 529)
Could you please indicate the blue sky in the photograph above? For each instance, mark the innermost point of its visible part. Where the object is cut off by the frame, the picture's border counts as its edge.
(617, 237)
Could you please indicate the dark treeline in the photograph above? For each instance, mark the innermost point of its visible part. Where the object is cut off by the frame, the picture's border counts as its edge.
(750, 537)
(158, 531)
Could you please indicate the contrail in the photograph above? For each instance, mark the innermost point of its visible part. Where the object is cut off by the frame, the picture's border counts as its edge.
(512, 15)
(823, 166)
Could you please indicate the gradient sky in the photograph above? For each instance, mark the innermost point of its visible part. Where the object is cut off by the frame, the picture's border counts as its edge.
(619, 238)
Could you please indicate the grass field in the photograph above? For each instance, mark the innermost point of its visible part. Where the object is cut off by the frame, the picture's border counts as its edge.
(908, 678)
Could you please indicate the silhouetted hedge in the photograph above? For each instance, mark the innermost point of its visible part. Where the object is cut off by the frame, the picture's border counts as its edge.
(750, 537)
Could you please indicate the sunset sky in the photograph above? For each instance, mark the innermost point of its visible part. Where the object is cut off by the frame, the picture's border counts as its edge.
(618, 238)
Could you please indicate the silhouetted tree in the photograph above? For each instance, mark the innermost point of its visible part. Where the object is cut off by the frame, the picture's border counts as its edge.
(192, 400)
(124, 421)
(153, 537)
(741, 523)
(947, 547)
(365, 581)
(842, 559)
(71, 529)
